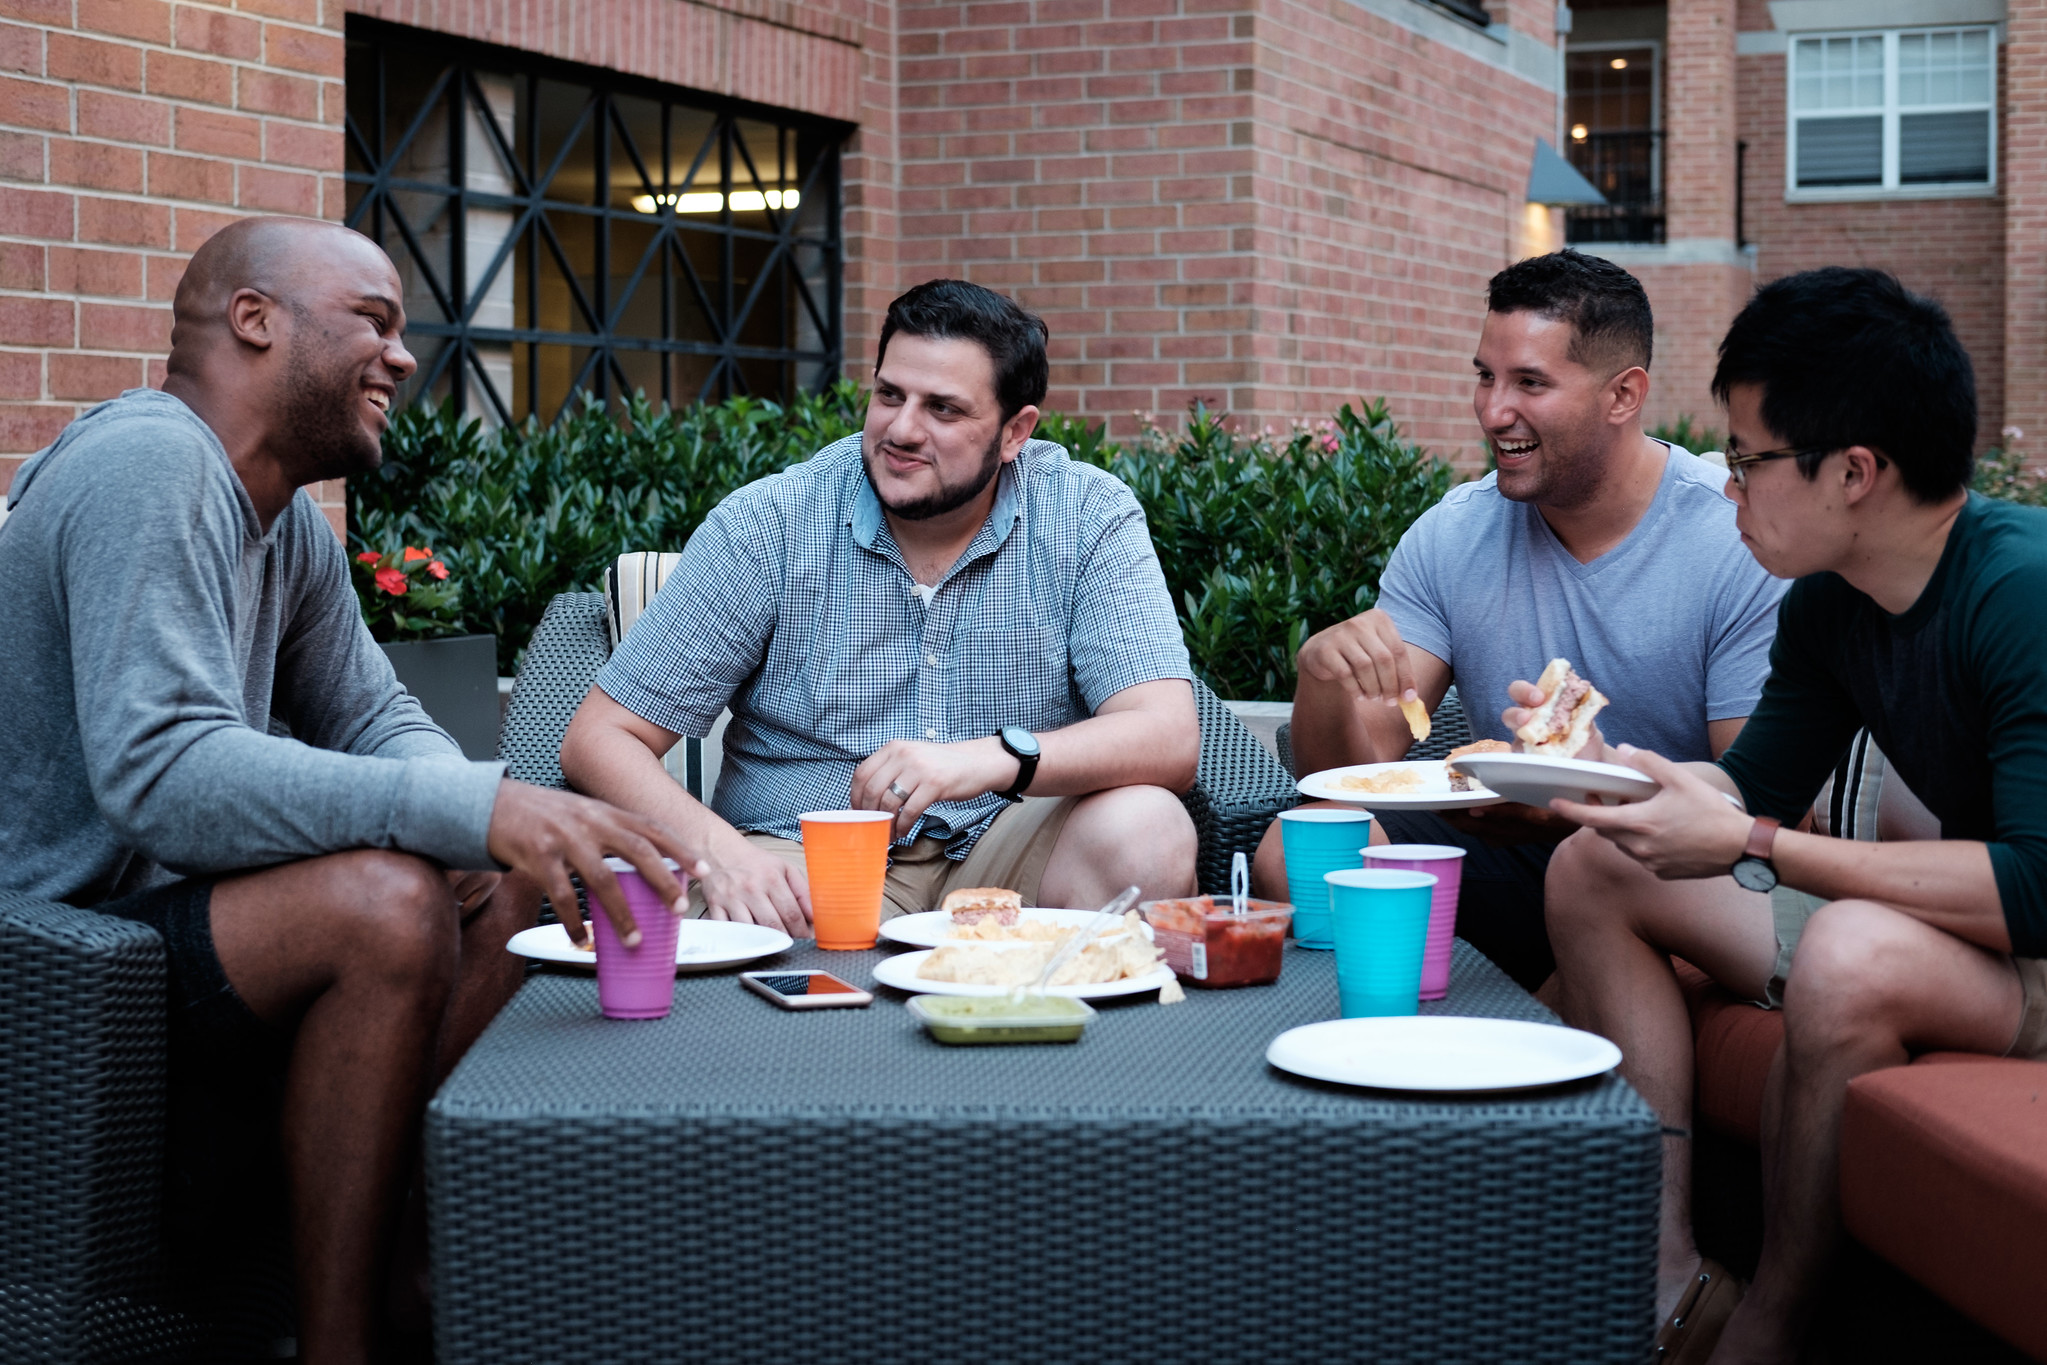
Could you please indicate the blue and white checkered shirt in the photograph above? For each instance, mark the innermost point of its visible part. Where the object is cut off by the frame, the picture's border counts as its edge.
(792, 605)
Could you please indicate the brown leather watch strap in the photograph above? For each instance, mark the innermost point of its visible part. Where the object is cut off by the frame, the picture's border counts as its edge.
(1762, 837)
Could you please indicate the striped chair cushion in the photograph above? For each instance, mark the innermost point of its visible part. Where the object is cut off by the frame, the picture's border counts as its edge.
(629, 585)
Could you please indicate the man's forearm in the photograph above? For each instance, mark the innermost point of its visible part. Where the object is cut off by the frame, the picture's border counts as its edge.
(1116, 749)
(617, 767)
(1947, 883)
(1331, 728)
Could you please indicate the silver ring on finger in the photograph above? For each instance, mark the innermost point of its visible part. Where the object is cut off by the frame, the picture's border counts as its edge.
(895, 789)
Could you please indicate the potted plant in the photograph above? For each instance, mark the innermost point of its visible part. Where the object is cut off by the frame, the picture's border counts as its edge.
(414, 611)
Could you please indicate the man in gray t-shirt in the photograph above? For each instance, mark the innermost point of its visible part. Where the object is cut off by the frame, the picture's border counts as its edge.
(1591, 541)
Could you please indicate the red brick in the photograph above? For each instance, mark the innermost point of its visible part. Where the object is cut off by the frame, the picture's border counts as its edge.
(201, 79)
(52, 13)
(95, 165)
(194, 226)
(279, 191)
(300, 49)
(89, 61)
(76, 270)
(123, 222)
(219, 33)
(21, 156)
(147, 21)
(93, 377)
(298, 11)
(164, 272)
(210, 132)
(294, 144)
(154, 376)
(34, 104)
(35, 322)
(26, 429)
(21, 374)
(36, 213)
(21, 266)
(191, 177)
(123, 118)
(21, 49)
(266, 92)
(123, 327)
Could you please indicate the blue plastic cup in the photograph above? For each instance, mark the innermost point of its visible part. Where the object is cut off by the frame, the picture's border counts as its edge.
(1318, 841)
(1381, 923)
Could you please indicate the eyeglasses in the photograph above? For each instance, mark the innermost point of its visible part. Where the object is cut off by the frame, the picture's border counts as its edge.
(1737, 465)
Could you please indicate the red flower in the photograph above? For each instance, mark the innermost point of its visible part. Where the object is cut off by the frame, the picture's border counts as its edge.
(392, 581)
(368, 557)
(436, 568)
(413, 556)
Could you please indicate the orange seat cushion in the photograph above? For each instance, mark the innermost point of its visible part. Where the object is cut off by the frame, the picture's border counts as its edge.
(1944, 1174)
(1735, 1043)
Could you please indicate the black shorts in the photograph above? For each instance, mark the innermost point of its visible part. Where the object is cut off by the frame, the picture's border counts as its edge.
(1499, 908)
(225, 1192)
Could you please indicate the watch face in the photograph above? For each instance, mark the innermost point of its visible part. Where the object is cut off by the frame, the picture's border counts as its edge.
(1020, 740)
(1754, 874)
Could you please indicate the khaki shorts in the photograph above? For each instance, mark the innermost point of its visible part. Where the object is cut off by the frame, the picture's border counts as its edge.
(1791, 909)
(1012, 853)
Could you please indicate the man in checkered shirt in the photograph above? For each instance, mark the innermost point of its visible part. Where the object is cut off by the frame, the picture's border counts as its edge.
(930, 618)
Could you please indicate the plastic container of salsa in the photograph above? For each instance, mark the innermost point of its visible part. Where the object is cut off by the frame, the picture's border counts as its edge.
(1209, 944)
(967, 1019)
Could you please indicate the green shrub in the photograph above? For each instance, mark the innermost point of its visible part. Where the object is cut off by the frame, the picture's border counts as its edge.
(1264, 538)
(1683, 432)
(2001, 472)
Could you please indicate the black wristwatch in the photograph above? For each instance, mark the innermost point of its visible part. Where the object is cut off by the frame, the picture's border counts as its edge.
(1754, 871)
(1023, 747)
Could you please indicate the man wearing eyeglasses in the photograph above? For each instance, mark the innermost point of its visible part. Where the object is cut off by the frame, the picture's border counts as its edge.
(1917, 615)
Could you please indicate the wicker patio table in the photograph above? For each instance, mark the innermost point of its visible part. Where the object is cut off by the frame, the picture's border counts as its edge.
(737, 1182)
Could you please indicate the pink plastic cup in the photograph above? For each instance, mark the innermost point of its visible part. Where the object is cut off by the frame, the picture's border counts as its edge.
(1446, 865)
(637, 983)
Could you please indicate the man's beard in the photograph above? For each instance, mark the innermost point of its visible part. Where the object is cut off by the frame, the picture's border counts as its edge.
(949, 497)
(1567, 478)
(320, 417)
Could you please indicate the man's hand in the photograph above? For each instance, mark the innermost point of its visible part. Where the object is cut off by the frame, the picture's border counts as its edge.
(1689, 829)
(750, 886)
(1530, 696)
(549, 834)
(1365, 656)
(930, 773)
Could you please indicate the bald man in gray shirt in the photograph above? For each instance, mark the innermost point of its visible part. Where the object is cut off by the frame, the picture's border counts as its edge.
(201, 736)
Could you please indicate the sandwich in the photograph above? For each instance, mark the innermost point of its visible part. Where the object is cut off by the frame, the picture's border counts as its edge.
(1459, 782)
(973, 904)
(1561, 725)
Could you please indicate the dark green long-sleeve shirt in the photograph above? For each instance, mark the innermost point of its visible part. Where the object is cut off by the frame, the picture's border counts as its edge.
(1954, 691)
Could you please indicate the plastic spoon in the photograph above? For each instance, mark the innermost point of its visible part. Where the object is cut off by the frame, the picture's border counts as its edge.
(1080, 940)
(1240, 884)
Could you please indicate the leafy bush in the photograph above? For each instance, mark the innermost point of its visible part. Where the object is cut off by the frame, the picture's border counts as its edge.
(406, 594)
(2002, 472)
(1264, 538)
(1684, 432)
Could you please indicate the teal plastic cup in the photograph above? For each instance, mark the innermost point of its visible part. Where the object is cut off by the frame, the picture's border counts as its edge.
(1318, 841)
(1380, 919)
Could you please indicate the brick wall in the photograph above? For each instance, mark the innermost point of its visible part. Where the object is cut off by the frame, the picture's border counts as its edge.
(130, 130)
(2024, 172)
(1949, 249)
(1273, 206)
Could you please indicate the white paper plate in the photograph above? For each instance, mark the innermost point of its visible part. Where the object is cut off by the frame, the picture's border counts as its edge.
(1441, 1052)
(929, 928)
(701, 945)
(1433, 794)
(900, 971)
(1536, 779)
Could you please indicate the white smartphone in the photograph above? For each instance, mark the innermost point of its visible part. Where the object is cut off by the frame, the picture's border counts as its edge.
(805, 990)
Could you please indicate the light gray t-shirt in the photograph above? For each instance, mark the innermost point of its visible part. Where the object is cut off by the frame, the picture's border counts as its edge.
(1673, 624)
(160, 647)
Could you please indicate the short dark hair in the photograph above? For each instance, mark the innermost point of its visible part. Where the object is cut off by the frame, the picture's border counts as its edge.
(954, 309)
(1605, 305)
(1850, 357)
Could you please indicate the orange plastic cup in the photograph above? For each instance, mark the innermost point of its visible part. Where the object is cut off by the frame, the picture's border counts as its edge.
(846, 854)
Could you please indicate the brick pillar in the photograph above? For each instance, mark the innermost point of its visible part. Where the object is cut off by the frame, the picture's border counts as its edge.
(1698, 118)
(2024, 174)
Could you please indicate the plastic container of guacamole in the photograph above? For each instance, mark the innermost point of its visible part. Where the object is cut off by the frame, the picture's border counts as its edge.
(969, 1019)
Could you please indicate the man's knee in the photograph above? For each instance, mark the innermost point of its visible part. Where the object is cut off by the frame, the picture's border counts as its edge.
(1142, 829)
(398, 917)
(1578, 887)
(1851, 958)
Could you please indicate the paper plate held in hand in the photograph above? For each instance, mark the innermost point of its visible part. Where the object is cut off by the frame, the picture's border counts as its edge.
(1410, 784)
(1537, 779)
(1441, 1053)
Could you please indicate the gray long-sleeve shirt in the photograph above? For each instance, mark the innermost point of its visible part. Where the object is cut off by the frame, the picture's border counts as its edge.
(182, 693)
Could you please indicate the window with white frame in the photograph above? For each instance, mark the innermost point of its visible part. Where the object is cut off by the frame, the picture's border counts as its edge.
(1893, 110)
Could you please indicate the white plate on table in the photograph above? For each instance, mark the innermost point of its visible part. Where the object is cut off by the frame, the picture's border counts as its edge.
(1536, 779)
(929, 928)
(1441, 1052)
(900, 971)
(701, 945)
(1433, 794)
